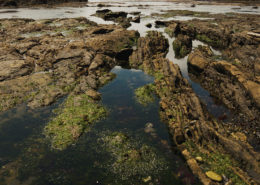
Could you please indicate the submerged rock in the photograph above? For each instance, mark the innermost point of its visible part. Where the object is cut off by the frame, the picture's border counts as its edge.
(145, 95)
(147, 179)
(149, 129)
(73, 118)
(131, 158)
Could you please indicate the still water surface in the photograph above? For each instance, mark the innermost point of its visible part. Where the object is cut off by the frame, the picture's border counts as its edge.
(26, 153)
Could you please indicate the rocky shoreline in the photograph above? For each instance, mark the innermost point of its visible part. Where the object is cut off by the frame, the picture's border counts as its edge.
(233, 76)
(42, 61)
(194, 131)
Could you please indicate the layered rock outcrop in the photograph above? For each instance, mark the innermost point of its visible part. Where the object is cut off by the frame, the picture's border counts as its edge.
(193, 129)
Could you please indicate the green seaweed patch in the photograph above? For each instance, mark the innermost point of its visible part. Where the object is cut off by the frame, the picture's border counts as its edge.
(169, 31)
(73, 119)
(106, 78)
(180, 49)
(217, 162)
(205, 38)
(145, 94)
(130, 158)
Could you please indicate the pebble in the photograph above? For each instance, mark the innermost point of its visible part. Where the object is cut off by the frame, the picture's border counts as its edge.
(214, 176)
(199, 159)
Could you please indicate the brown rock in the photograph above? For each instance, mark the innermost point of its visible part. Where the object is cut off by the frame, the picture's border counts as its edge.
(254, 90)
(257, 68)
(197, 61)
(93, 94)
(239, 136)
(14, 68)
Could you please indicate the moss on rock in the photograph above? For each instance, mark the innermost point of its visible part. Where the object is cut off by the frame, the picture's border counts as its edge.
(77, 113)
(182, 45)
(217, 162)
(205, 38)
(145, 94)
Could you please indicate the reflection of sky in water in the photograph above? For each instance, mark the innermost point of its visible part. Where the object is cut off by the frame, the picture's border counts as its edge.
(146, 8)
(21, 137)
(18, 124)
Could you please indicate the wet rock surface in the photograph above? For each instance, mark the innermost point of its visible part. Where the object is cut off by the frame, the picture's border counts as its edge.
(193, 130)
(118, 17)
(40, 69)
(182, 45)
(231, 76)
(62, 60)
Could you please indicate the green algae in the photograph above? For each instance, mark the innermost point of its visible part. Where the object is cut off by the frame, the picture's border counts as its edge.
(145, 94)
(180, 49)
(169, 31)
(217, 162)
(131, 158)
(205, 38)
(73, 119)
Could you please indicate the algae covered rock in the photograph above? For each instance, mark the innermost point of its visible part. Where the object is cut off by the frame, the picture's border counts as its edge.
(130, 157)
(182, 45)
(145, 94)
(72, 120)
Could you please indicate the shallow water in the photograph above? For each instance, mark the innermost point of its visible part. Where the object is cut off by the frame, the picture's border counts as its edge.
(24, 148)
(145, 7)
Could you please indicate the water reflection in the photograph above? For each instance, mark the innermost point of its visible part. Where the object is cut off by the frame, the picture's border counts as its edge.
(26, 155)
(146, 9)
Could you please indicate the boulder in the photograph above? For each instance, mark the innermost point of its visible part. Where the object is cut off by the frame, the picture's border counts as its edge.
(182, 45)
(136, 19)
(199, 59)
(149, 25)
